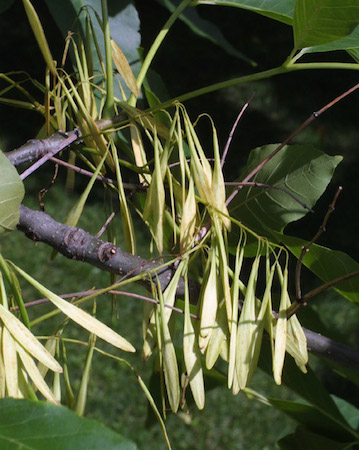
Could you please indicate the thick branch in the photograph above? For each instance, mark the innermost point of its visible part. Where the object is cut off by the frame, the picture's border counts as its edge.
(332, 350)
(75, 243)
(36, 148)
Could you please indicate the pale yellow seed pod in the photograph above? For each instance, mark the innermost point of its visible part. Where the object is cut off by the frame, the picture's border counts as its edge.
(218, 338)
(281, 329)
(192, 357)
(209, 304)
(247, 329)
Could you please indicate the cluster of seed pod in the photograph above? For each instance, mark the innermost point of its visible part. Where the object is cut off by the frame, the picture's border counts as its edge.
(226, 328)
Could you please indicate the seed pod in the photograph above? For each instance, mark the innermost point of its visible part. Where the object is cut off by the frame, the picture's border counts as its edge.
(218, 337)
(10, 363)
(35, 375)
(192, 356)
(155, 200)
(218, 187)
(170, 365)
(235, 297)
(281, 328)
(223, 267)
(297, 343)
(209, 302)
(188, 223)
(78, 315)
(247, 329)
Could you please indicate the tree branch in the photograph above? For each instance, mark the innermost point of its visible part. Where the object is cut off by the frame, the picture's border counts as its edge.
(75, 243)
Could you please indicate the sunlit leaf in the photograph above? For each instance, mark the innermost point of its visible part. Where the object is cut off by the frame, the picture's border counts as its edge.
(11, 194)
(302, 170)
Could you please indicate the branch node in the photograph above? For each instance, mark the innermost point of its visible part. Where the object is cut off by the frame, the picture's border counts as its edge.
(106, 251)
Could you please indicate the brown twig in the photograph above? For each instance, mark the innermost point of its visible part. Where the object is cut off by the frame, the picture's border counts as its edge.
(41, 301)
(225, 151)
(65, 143)
(304, 125)
(306, 248)
(79, 170)
(297, 306)
(105, 225)
(44, 191)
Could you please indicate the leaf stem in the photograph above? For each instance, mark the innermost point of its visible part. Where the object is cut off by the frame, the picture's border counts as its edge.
(155, 46)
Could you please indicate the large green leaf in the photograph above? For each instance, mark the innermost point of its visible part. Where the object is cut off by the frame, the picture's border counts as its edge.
(327, 264)
(318, 22)
(301, 170)
(314, 420)
(350, 42)
(349, 411)
(205, 29)
(124, 26)
(282, 11)
(11, 195)
(304, 439)
(41, 426)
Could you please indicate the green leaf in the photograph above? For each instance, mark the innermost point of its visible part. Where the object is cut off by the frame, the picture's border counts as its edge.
(306, 385)
(11, 194)
(327, 264)
(354, 53)
(350, 42)
(40, 426)
(303, 439)
(313, 420)
(349, 411)
(205, 29)
(301, 170)
(318, 22)
(124, 27)
(282, 11)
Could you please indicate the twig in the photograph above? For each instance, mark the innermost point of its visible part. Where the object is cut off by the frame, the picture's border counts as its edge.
(105, 225)
(304, 125)
(87, 173)
(44, 191)
(323, 287)
(225, 151)
(297, 306)
(65, 143)
(41, 301)
(305, 248)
